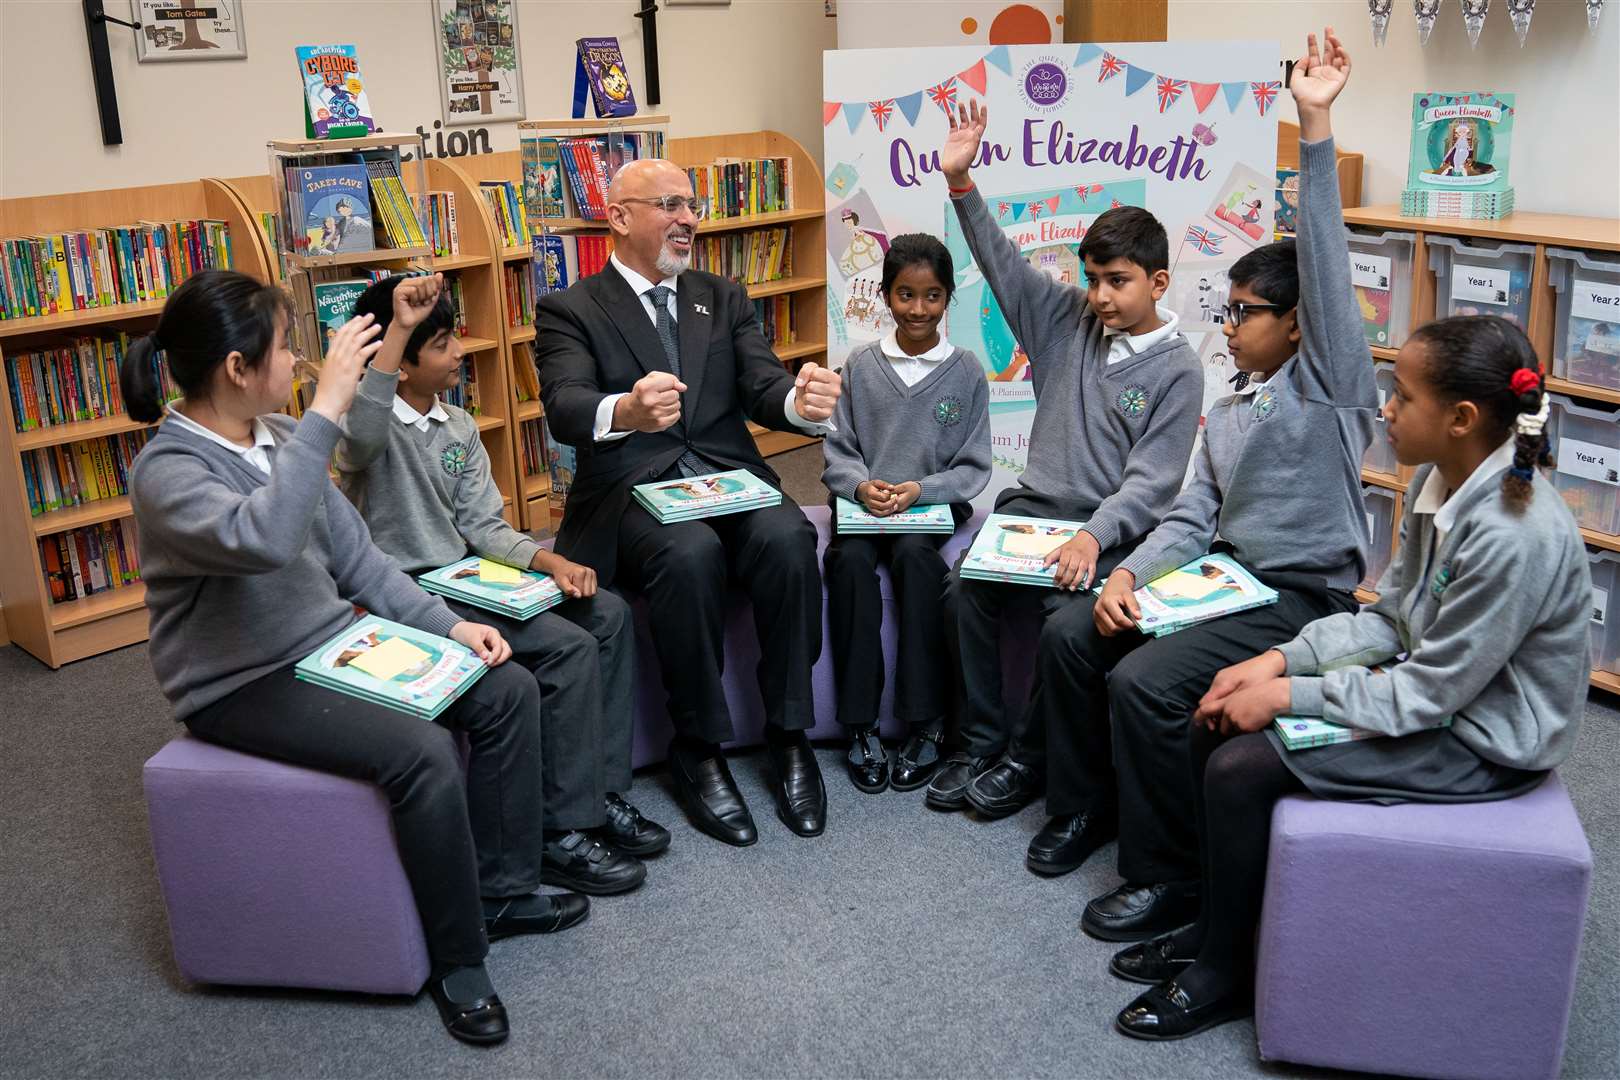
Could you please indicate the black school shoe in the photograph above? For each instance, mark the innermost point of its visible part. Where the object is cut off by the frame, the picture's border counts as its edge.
(536, 913)
(1004, 788)
(626, 830)
(1169, 1012)
(577, 861)
(867, 762)
(948, 789)
(916, 760)
(1069, 840)
(1138, 912)
(1153, 961)
(480, 1019)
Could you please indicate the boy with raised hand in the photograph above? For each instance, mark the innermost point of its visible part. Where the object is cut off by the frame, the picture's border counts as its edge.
(1118, 394)
(417, 471)
(1278, 479)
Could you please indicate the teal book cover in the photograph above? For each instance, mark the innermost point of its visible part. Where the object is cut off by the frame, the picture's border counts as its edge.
(1461, 141)
(393, 665)
(1203, 589)
(1014, 549)
(854, 516)
(702, 495)
(465, 581)
(334, 306)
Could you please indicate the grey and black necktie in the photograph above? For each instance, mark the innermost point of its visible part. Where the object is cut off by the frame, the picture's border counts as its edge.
(689, 464)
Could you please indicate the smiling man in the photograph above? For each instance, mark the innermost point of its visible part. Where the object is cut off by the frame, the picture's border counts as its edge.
(651, 371)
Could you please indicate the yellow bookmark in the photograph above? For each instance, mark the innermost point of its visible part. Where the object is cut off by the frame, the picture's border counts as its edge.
(387, 660)
(494, 573)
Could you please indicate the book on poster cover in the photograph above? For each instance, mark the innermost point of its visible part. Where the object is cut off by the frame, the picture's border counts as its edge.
(600, 70)
(397, 667)
(335, 105)
(691, 497)
(853, 518)
(492, 586)
(1014, 549)
(1205, 588)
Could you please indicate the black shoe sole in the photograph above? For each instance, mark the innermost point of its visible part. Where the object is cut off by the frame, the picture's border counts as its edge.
(590, 886)
(783, 818)
(870, 789)
(1226, 1016)
(915, 784)
(1054, 869)
(996, 811)
(1118, 974)
(939, 802)
(1128, 935)
(502, 935)
(640, 851)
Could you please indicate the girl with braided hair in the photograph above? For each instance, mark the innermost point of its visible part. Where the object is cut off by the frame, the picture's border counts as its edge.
(1473, 660)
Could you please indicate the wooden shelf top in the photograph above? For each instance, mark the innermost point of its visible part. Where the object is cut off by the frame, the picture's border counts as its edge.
(339, 146)
(79, 320)
(1600, 540)
(1381, 353)
(1383, 480)
(536, 485)
(489, 423)
(1604, 680)
(1582, 390)
(515, 252)
(356, 258)
(471, 344)
(570, 224)
(79, 429)
(74, 517)
(520, 334)
(529, 410)
(459, 262)
(1524, 226)
(603, 124)
(787, 285)
(102, 605)
(803, 348)
(757, 221)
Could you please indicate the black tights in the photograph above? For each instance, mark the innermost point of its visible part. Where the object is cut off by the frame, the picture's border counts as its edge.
(1237, 781)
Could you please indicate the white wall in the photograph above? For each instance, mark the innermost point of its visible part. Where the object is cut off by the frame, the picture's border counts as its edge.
(1566, 132)
(754, 65)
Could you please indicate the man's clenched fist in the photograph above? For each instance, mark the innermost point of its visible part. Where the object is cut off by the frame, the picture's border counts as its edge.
(817, 392)
(653, 404)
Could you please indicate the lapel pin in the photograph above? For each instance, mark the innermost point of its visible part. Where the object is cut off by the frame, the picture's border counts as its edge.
(700, 309)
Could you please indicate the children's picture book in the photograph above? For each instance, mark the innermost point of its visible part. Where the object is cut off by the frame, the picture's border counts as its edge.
(710, 495)
(543, 179)
(398, 667)
(550, 262)
(855, 519)
(492, 586)
(1240, 206)
(1287, 199)
(1460, 141)
(1014, 549)
(335, 105)
(334, 305)
(1205, 588)
(600, 69)
(1304, 732)
(335, 202)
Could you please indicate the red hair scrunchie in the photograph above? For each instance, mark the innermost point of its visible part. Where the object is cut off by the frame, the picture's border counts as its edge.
(1525, 380)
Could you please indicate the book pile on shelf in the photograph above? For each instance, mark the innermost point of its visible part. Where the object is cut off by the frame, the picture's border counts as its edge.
(1458, 164)
(504, 207)
(397, 667)
(857, 520)
(73, 382)
(519, 284)
(270, 224)
(95, 268)
(591, 253)
(493, 586)
(464, 395)
(533, 437)
(526, 378)
(443, 231)
(568, 177)
(343, 203)
(710, 495)
(394, 205)
(735, 187)
(77, 473)
(776, 319)
(749, 258)
(88, 560)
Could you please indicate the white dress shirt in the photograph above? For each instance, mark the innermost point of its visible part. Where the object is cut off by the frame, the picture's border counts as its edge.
(914, 369)
(1122, 345)
(257, 455)
(1433, 499)
(409, 416)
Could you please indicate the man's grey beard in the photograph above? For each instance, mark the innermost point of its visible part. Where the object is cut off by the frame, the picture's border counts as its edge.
(669, 264)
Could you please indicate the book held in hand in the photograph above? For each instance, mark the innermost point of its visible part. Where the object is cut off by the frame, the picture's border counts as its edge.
(692, 497)
(1304, 732)
(853, 518)
(1014, 549)
(397, 667)
(1206, 588)
(492, 586)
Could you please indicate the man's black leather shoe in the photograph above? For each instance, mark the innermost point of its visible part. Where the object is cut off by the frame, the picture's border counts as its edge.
(1068, 840)
(706, 791)
(576, 861)
(536, 913)
(1004, 788)
(1168, 1012)
(629, 832)
(801, 796)
(867, 762)
(948, 789)
(1137, 912)
(480, 1021)
(1153, 961)
(916, 760)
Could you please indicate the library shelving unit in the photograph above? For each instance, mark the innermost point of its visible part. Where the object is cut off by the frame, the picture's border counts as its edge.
(1539, 231)
(58, 633)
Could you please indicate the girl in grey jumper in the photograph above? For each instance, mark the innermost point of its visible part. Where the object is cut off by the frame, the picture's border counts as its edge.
(252, 559)
(1481, 622)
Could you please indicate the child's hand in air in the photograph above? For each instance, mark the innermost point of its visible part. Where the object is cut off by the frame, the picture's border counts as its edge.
(346, 357)
(414, 299)
(1320, 74)
(1076, 562)
(962, 144)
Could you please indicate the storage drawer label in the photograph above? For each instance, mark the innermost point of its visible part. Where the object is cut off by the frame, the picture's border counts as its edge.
(1370, 271)
(1589, 461)
(1593, 300)
(1600, 604)
(1480, 284)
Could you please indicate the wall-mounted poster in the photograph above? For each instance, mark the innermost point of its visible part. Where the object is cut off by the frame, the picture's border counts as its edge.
(479, 76)
(169, 31)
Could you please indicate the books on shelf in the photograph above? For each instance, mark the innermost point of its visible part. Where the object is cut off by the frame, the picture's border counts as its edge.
(1205, 588)
(89, 560)
(710, 495)
(776, 322)
(855, 519)
(1013, 549)
(518, 281)
(1475, 205)
(395, 210)
(562, 461)
(531, 433)
(397, 667)
(504, 207)
(73, 382)
(464, 395)
(332, 203)
(334, 305)
(335, 104)
(73, 474)
(542, 179)
(738, 187)
(568, 176)
(493, 586)
(95, 268)
(549, 263)
(525, 376)
(591, 253)
(443, 232)
(1286, 202)
(1460, 151)
(749, 258)
(270, 225)
(601, 71)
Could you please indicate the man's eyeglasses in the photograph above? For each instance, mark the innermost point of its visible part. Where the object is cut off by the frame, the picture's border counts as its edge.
(672, 204)
(1238, 310)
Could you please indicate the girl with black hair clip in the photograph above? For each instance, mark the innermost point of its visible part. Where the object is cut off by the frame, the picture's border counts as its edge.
(252, 559)
(1480, 624)
(911, 429)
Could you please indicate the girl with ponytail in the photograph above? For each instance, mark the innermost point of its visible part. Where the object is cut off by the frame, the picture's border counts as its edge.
(252, 559)
(1473, 661)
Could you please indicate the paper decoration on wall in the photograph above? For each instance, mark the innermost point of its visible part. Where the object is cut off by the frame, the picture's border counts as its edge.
(1379, 10)
(1594, 8)
(1519, 12)
(1474, 12)
(1425, 10)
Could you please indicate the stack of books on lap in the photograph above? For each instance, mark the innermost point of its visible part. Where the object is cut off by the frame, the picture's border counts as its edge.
(1206, 588)
(493, 586)
(1014, 549)
(691, 497)
(397, 667)
(855, 519)
(1304, 732)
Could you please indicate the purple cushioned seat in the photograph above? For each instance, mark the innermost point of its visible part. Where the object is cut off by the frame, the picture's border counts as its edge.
(1423, 939)
(280, 876)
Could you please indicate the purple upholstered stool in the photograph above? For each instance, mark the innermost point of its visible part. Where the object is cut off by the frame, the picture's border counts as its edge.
(1422, 939)
(279, 876)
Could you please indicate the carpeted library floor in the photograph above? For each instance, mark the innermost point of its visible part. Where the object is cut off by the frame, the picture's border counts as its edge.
(900, 943)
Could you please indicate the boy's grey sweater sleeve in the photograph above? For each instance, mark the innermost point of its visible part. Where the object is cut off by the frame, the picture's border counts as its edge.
(841, 449)
(1335, 364)
(1186, 531)
(1039, 309)
(1348, 638)
(969, 471)
(365, 426)
(478, 513)
(1155, 466)
(367, 576)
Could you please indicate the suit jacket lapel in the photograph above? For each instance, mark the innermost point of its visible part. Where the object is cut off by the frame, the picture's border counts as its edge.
(694, 302)
(629, 316)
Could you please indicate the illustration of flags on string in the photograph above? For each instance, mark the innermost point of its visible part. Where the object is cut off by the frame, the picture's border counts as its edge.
(1169, 90)
(1034, 210)
(1001, 209)
(1207, 241)
(1264, 94)
(944, 95)
(881, 111)
(1085, 192)
(1111, 66)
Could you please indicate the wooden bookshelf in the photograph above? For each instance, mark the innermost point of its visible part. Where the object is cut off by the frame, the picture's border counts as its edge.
(1524, 227)
(58, 633)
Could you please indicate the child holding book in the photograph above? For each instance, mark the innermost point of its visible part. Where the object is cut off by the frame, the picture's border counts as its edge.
(1278, 479)
(1118, 393)
(417, 471)
(252, 560)
(1488, 599)
(911, 429)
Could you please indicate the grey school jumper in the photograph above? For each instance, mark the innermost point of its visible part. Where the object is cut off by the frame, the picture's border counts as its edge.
(1109, 443)
(246, 573)
(436, 489)
(935, 432)
(1278, 475)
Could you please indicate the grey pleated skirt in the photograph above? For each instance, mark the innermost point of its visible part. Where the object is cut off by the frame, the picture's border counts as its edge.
(1429, 766)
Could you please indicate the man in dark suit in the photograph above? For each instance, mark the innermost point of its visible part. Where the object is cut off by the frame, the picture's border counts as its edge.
(651, 370)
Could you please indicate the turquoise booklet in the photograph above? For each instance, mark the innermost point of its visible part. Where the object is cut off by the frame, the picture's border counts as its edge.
(1206, 588)
(1014, 549)
(1304, 732)
(493, 586)
(855, 519)
(398, 667)
(691, 497)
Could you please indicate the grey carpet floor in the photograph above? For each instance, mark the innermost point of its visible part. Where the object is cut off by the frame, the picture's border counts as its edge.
(900, 943)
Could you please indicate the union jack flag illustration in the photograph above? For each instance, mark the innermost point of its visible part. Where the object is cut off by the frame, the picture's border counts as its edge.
(881, 111)
(1114, 204)
(1264, 94)
(1111, 66)
(1001, 209)
(1206, 241)
(944, 95)
(1169, 91)
(1086, 192)
(1034, 209)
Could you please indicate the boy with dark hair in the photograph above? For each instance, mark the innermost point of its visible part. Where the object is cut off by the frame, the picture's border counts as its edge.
(416, 470)
(1119, 392)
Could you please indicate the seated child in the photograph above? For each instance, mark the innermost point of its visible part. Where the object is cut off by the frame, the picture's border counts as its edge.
(912, 429)
(252, 560)
(1488, 601)
(416, 469)
(1278, 480)
(1119, 392)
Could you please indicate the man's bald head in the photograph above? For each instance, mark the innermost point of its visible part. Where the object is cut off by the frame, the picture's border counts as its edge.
(648, 177)
(653, 241)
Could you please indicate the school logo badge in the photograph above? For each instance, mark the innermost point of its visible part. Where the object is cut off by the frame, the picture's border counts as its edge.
(948, 411)
(1442, 579)
(454, 458)
(1265, 403)
(1132, 401)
